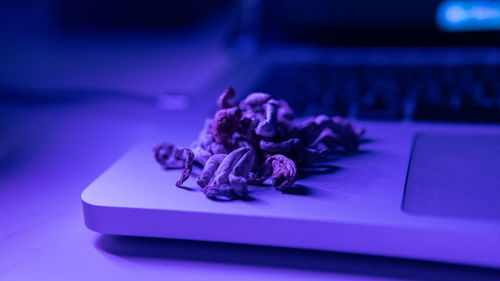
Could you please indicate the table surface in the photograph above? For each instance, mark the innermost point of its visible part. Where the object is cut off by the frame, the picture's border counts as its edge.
(50, 153)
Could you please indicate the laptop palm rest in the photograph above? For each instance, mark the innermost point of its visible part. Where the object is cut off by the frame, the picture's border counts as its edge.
(453, 175)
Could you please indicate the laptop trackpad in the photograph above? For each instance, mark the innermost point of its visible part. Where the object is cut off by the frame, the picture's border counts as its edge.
(456, 176)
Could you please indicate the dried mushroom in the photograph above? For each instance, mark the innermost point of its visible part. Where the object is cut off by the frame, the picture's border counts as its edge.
(253, 140)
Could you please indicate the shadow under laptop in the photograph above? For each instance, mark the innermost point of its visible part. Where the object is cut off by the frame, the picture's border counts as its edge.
(286, 258)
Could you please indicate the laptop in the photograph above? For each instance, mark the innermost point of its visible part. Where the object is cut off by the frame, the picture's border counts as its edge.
(421, 77)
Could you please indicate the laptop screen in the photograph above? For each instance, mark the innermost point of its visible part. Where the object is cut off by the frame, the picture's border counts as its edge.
(383, 22)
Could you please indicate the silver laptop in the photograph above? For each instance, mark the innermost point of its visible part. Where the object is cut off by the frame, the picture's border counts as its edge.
(426, 181)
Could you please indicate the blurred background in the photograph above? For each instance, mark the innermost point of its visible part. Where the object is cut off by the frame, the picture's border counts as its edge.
(124, 45)
(81, 81)
(129, 45)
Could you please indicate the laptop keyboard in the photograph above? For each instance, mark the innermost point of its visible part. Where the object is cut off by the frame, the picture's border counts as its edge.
(465, 93)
